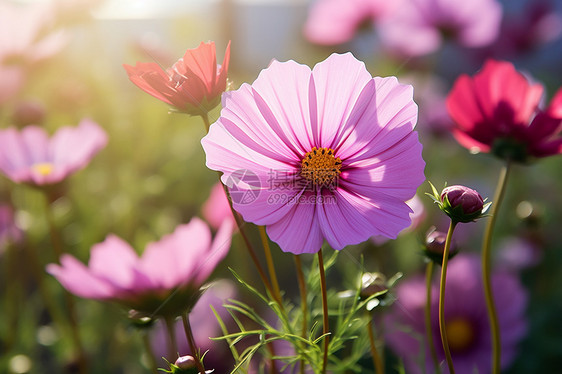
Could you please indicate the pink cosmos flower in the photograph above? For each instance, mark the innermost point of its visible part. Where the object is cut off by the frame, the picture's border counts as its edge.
(29, 156)
(194, 84)
(417, 27)
(322, 154)
(466, 319)
(497, 111)
(417, 216)
(217, 209)
(333, 22)
(165, 280)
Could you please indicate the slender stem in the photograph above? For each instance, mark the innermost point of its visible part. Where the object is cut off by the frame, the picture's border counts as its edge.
(442, 328)
(205, 117)
(173, 345)
(377, 361)
(249, 247)
(68, 298)
(486, 279)
(304, 306)
(149, 353)
(428, 328)
(325, 327)
(272, 367)
(191, 341)
(271, 267)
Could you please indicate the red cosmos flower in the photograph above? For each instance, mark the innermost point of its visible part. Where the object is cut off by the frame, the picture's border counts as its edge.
(497, 111)
(193, 85)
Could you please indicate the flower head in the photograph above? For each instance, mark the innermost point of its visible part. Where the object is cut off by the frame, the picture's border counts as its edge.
(30, 156)
(323, 154)
(465, 319)
(434, 246)
(497, 111)
(333, 22)
(165, 280)
(193, 85)
(417, 27)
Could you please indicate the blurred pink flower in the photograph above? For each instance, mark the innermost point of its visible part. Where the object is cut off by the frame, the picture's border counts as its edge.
(333, 22)
(193, 85)
(26, 34)
(29, 156)
(322, 154)
(164, 281)
(205, 326)
(12, 79)
(217, 209)
(497, 111)
(418, 27)
(466, 319)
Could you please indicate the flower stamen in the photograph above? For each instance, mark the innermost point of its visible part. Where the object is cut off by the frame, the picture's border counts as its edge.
(43, 168)
(321, 167)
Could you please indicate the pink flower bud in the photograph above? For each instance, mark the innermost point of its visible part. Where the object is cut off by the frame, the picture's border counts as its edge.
(467, 198)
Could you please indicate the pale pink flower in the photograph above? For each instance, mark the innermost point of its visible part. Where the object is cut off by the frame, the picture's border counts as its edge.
(418, 27)
(323, 154)
(333, 22)
(30, 156)
(165, 280)
(216, 209)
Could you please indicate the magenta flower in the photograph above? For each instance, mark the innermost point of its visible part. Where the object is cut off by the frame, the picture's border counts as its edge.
(322, 154)
(497, 111)
(465, 319)
(29, 156)
(333, 22)
(165, 280)
(418, 27)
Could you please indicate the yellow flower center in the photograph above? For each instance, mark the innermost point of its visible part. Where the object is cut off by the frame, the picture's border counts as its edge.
(321, 167)
(43, 168)
(460, 334)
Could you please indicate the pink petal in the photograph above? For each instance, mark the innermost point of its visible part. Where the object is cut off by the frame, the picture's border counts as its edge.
(338, 81)
(150, 78)
(215, 253)
(304, 228)
(78, 279)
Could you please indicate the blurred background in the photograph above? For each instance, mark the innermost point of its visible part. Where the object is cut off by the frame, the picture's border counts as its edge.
(151, 176)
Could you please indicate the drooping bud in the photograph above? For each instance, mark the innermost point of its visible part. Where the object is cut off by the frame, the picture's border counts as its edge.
(434, 246)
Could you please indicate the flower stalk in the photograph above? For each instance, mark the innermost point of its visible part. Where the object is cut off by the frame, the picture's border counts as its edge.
(442, 327)
(325, 324)
(377, 361)
(486, 269)
(428, 328)
(191, 341)
(304, 306)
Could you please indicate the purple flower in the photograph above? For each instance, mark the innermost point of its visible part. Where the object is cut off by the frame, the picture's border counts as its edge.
(417, 27)
(333, 22)
(29, 156)
(165, 280)
(323, 154)
(465, 318)
(467, 198)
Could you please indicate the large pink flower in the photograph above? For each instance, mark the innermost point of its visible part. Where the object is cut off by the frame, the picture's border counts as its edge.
(332, 22)
(322, 154)
(165, 280)
(497, 111)
(31, 157)
(193, 85)
(417, 27)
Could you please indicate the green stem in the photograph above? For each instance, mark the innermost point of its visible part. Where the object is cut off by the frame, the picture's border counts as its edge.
(302, 289)
(428, 328)
(271, 268)
(325, 324)
(377, 361)
(173, 345)
(149, 353)
(191, 341)
(68, 298)
(206, 121)
(442, 328)
(486, 269)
